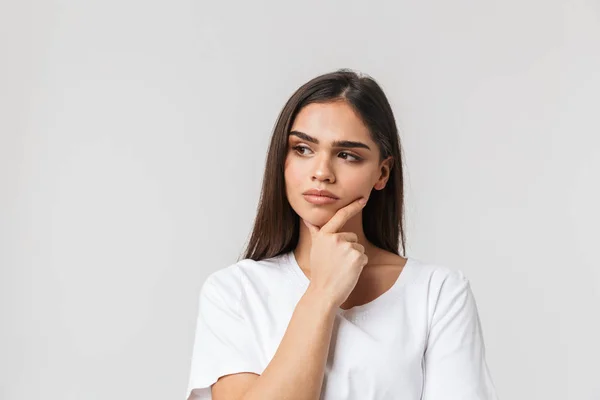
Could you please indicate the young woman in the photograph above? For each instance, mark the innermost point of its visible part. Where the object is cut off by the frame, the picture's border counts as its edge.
(322, 305)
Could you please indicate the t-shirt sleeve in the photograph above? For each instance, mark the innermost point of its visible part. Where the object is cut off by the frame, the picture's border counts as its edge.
(455, 367)
(223, 342)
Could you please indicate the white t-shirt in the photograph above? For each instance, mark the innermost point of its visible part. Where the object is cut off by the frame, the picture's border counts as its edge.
(420, 340)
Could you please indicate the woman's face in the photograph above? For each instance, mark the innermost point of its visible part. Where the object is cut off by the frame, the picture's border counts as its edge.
(314, 161)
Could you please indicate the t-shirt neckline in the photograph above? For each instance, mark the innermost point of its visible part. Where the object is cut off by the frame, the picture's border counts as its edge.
(303, 280)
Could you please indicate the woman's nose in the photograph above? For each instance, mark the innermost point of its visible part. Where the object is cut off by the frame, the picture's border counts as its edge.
(323, 170)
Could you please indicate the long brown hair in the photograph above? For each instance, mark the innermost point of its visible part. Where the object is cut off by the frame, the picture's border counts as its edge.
(276, 227)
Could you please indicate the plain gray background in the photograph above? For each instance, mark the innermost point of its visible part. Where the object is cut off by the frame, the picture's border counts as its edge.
(133, 140)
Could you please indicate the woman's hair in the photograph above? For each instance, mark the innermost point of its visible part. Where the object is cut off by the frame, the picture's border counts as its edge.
(276, 227)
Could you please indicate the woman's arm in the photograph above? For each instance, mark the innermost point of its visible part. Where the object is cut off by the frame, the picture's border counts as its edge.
(455, 364)
(297, 368)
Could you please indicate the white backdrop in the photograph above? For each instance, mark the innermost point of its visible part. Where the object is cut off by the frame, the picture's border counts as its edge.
(133, 136)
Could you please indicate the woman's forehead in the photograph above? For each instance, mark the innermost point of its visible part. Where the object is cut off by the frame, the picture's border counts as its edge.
(328, 122)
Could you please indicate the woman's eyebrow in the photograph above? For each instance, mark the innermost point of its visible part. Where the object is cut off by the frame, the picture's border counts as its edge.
(335, 143)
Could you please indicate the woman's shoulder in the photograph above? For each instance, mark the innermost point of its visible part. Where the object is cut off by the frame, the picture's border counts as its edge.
(420, 271)
(435, 276)
(232, 278)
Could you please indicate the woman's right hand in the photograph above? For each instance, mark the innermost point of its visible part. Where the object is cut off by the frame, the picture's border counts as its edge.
(336, 258)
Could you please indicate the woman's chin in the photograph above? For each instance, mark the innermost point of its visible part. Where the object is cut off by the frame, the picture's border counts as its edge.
(318, 218)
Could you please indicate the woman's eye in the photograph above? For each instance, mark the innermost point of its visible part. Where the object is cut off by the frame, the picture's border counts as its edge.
(299, 149)
(355, 158)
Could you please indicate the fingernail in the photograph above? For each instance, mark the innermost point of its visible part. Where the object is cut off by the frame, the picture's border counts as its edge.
(362, 201)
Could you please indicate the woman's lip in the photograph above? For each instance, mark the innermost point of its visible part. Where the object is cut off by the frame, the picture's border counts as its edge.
(314, 199)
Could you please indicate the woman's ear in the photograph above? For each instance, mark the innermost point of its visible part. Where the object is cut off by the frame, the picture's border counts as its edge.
(386, 167)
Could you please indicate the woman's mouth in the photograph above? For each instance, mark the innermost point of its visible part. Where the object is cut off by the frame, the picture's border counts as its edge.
(316, 199)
